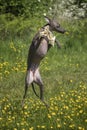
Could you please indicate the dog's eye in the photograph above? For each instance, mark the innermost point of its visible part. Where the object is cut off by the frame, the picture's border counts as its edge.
(58, 26)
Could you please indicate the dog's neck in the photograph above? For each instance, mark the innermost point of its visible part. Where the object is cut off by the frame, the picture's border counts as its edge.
(50, 28)
(46, 31)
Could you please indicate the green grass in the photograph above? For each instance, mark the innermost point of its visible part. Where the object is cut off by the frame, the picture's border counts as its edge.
(64, 73)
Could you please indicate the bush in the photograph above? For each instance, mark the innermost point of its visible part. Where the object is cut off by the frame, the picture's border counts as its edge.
(77, 35)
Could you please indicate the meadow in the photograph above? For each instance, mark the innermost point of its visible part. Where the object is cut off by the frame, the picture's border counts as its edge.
(64, 73)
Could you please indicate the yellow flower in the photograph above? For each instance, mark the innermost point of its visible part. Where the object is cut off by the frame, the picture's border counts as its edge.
(49, 116)
(31, 128)
(72, 126)
(43, 126)
(85, 120)
(5, 108)
(53, 113)
(58, 125)
(0, 78)
(67, 33)
(81, 111)
(25, 107)
(15, 128)
(13, 117)
(81, 128)
(56, 108)
(16, 69)
(71, 81)
(6, 72)
(66, 107)
(9, 119)
(25, 113)
(22, 123)
(18, 124)
(5, 63)
(77, 65)
(38, 126)
(0, 118)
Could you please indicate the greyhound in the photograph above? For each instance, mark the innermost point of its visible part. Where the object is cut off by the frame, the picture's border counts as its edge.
(41, 43)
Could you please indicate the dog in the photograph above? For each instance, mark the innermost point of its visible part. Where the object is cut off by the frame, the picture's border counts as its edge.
(41, 43)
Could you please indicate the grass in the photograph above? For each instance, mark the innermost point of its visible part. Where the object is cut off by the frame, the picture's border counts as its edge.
(64, 73)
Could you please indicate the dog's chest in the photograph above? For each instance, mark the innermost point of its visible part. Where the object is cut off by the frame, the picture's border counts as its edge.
(42, 49)
(47, 33)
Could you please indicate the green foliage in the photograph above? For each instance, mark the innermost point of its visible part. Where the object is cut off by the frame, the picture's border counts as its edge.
(20, 18)
(77, 35)
(15, 16)
(65, 82)
(18, 26)
(25, 8)
(67, 111)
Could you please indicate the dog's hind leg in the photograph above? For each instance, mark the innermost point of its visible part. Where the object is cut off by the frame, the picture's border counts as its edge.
(28, 80)
(38, 81)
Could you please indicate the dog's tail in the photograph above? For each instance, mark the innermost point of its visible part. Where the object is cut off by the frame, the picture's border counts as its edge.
(34, 90)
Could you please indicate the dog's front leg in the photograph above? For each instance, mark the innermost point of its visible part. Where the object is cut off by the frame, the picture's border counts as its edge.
(58, 44)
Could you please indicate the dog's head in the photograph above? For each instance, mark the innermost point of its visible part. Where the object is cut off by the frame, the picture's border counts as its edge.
(54, 25)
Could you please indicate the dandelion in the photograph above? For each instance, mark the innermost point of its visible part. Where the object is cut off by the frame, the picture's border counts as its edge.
(9, 119)
(85, 120)
(58, 125)
(56, 108)
(49, 116)
(1, 65)
(15, 129)
(31, 128)
(44, 14)
(62, 95)
(5, 63)
(22, 123)
(72, 126)
(6, 72)
(58, 119)
(13, 117)
(5, 108)
(77, 65)
(64, 123)
(81, 128)
(25, 113)
(71, 80)
(15, 69)
(25, 107)
(38, 126)
(81, 111)
(18, 124)
(67, 33)
(79, 97)
(43, 127)
(66, 107)
(53, 113)
(0, 118)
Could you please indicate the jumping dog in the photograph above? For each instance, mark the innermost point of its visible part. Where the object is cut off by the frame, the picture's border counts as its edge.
(39, 47)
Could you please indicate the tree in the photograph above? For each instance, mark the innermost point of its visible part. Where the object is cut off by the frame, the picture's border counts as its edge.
(24, 8)
(70, 8)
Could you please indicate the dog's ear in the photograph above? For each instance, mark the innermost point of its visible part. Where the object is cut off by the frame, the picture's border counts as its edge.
(47, 19)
